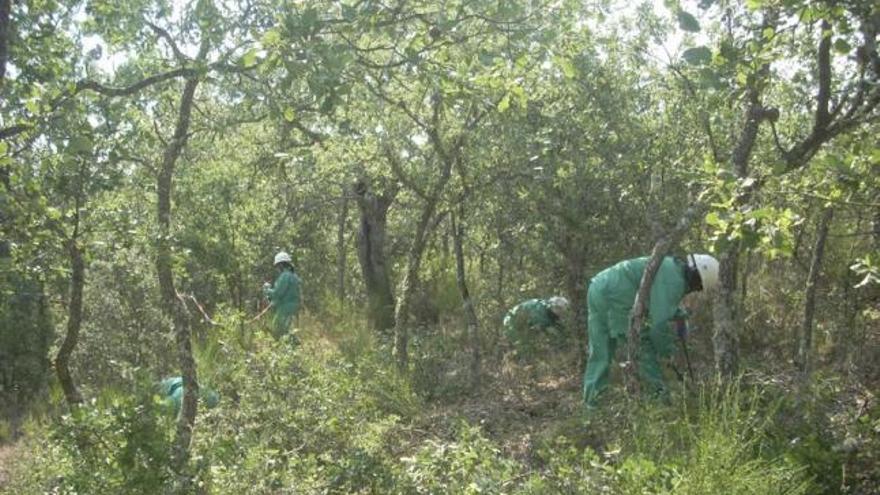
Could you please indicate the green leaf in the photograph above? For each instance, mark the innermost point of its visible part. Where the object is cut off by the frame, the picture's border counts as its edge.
(249, 58)
(504, 104)
(289, 114)
(566, 66)
(688, 22)
(842, 46)
(270, 38)
(713, 219)
(710, 79)
(79, 144)
(3, 148)
(699, 55)
(755, 4)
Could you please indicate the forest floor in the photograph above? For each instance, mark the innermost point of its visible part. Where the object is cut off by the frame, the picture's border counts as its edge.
(7, 453)
(520, 408)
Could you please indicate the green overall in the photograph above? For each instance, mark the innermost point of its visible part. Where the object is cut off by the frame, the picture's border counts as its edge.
(284, 296)
(610, 298)
(171, 389)
(525, 318)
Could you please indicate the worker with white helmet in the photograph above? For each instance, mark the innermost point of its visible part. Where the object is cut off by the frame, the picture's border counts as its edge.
(610, 299)
(283, 295)
(534, 315)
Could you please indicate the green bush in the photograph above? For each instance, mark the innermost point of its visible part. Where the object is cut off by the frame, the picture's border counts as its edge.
(468, 465)
(715, 443)
(116, 444)
(306, 417)
(313, 419)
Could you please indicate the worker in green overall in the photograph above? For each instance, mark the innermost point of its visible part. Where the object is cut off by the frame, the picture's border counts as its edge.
(610, 299)
(526, 319)
(283, 295)
(171, 389)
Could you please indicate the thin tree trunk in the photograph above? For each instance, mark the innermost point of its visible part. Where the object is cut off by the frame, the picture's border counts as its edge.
(726, 336)
(173, 308)
(576, 289)
(806, 340)
(372, 257)
(340, 250)
(500, 279)
(5, 11)
(643, 295)
(75, 306)
(74, 323)
(744, 286)
(5, 8)
(410, 284)
(470, 314)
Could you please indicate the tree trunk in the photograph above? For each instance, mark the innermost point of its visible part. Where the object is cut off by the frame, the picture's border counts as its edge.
(74, 323)
(643, 295)
(806, 340)
(5, 10)
(576, 289)
(172, 306)
(470, 314)
(409, 285)
(371, 255)
(340, 250)
(726, 337)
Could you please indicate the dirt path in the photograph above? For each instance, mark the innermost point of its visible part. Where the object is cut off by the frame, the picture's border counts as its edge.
(518, 411)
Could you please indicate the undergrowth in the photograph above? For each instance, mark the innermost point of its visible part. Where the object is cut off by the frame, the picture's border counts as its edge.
(333, 415)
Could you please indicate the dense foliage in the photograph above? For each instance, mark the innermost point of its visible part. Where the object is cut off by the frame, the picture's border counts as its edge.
(428, 165)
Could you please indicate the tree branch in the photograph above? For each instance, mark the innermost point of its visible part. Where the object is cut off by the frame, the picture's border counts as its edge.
(162, 33)
(90, 85)
(823, 61)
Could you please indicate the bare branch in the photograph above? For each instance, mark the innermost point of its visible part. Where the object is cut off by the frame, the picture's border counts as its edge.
(89, 85)
(823, 56)
(162, 33)
(402, 176)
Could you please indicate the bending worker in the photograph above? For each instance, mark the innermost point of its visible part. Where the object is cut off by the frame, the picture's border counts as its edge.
(171, 389)
(284, 295)
(528, 317)
(610, 299)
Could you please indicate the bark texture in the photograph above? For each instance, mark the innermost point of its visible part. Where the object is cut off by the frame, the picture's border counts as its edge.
(470, 313)
(74, 323)
(371, 255)
(806, 338)
(173, 307)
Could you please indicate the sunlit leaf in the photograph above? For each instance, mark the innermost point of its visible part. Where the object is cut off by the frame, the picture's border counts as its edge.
(842, 46)
(688, 22)
(698, 55)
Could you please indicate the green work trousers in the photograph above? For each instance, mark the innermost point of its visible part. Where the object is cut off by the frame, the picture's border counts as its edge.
(606, 333)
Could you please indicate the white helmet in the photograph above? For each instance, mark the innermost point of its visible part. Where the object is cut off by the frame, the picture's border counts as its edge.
(707, 266)
(282, 257)
(557, 304)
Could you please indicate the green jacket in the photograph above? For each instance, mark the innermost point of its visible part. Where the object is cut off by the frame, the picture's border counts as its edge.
(532, 314)
(614, 291)
(171, 389)
(285, 298)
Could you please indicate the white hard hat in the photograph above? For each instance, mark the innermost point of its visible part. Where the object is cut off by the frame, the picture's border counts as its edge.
(282, 257)
(558, 303)
(707, 266)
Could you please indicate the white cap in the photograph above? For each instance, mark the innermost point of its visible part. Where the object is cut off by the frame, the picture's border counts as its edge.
(557, 303)
(282, 257)
(707, 266)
